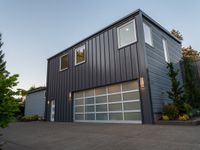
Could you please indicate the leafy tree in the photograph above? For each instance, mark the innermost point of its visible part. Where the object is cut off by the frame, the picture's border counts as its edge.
(8, 104)
(176, 91)
(187, 52)
(177, 34)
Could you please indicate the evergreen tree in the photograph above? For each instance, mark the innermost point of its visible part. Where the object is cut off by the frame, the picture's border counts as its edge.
(176, 91)
(191, 90)
(8, 103)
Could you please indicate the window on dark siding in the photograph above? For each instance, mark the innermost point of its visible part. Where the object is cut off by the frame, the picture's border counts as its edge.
(126, 34)
(64, 62)
(80, 55)
(165, 48)
(147, 34)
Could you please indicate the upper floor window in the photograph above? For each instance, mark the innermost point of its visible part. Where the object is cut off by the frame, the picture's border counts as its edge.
(147, 34)
(126, 34)
(80, 55)
(166, 53)
(64, 62)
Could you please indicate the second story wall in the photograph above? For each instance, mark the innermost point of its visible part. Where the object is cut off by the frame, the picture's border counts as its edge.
(158, 78)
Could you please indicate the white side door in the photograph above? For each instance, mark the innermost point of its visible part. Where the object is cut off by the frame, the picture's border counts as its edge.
(52, 111)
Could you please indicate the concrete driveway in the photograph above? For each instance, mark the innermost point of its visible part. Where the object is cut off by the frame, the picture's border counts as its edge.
(85, 136)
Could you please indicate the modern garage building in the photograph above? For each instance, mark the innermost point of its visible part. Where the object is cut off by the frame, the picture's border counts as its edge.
(116, 75)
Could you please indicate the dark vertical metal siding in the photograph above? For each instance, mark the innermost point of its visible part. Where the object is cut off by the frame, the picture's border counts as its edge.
(105, 64)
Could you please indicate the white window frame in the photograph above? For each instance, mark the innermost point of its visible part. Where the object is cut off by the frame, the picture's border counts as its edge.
(60, 69)
(75, 50)
(134, 33)
(152, 44)
(166, 50)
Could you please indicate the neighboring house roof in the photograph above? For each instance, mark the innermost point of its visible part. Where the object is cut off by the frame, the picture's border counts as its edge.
(135, 12)
(37, 90)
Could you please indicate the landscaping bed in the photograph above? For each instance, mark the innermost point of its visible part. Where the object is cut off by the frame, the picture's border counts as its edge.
(191, 122)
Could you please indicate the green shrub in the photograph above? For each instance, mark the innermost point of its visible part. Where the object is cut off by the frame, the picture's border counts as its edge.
(171, 111)
(195, 112)
(187, 108)
(183, 117)
(30, 118)
(165, 117)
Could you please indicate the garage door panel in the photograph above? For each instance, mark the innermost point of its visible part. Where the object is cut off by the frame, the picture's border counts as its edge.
(101, 108)
(79, 102)
(79, 109)
(79, 116)
(101, 99)
(89, 108)
(113, 103)
(132, 116)
(114, 98)
(90, 116)
(131, 96)
(132, 106)
(115, 116)
(101, 116)
(115, 107)
(89, 100)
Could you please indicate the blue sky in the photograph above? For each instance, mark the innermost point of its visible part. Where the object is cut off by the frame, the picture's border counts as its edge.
(35, 30)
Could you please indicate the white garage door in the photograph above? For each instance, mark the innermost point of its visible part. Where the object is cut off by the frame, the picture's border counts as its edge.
(118, 103)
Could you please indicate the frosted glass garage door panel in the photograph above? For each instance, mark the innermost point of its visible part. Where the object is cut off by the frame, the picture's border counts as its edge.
(101, 99)
(115, 116)
(131, 96)
(89, 100)
(89, 116)
(132, 106)
(115, 107)
(89, 108)
(132, 116)
(114, 98)
(78, 94)
(101, 116)
(79, 109)
(79, 117)
(79, 102)
(100, 108)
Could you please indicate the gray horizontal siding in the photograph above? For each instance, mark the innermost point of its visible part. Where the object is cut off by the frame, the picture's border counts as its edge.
(105, 64)
(158, 78)
(35, 104)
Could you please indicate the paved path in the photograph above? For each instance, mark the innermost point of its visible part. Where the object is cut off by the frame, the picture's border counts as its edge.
(84, 136)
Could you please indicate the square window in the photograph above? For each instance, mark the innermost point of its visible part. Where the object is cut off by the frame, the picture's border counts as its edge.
(80, 55)
(126, 34)
(165, 47)
(64, 62)
(147, 34)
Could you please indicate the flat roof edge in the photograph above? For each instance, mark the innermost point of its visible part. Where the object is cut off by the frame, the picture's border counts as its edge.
(37, 90)
(160, 26)
(115, 22)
